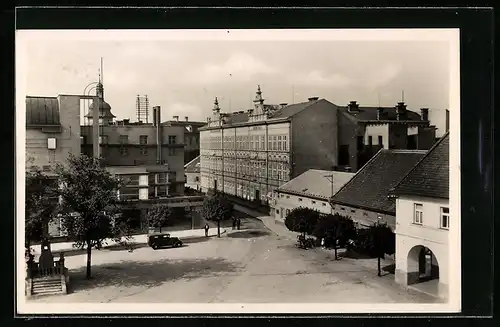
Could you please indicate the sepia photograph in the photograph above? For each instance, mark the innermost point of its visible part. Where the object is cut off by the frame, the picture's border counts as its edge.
(238, 171)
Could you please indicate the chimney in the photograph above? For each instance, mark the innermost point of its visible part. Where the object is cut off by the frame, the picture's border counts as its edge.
(176, 118)
(400, 110)
(313, 98)
(283, 105)
(126, 121)
(186, 118)
(380, 112)
(157, 119)
(424, 114)
(353, 106)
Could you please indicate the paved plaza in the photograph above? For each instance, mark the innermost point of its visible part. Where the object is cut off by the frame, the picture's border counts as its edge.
(253, 265)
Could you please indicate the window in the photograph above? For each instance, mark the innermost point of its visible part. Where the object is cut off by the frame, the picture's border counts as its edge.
(342, 208)
(360, 143)
(103, 139)
(300, 199)
(143, 139)
(288, 197)
(51, 143)
(365, 214)
(52, 156)
(82, 140)
(172, 139)
(419, 213)
(123, 151)
(370, 140)
(123, 139)
(353, 210)
(344, 155)
(324, 204)
(445, 218)
(285, 144)
(380, 140)
(313, 202)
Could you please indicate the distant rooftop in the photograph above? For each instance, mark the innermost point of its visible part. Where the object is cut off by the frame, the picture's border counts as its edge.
(42, 111)
(193, 166)
(316, 183)
(369, 188)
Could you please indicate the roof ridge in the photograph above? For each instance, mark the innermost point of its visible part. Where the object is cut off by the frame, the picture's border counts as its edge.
(191, 161)
(358, 172)
(420, 161)
(307, 106)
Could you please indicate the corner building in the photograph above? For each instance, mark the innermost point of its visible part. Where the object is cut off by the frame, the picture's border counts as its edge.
(251, 153)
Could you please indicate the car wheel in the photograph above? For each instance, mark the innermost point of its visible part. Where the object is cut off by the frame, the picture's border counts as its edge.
(155, 247)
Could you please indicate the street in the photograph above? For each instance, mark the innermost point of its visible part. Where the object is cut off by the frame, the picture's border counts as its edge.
(251, 265)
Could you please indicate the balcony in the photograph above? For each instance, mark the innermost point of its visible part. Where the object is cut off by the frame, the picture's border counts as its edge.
(150, 162)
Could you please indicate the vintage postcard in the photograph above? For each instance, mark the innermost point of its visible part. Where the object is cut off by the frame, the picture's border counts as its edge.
(238, 171)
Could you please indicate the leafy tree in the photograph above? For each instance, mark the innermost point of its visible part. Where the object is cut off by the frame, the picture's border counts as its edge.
(217, 208)
(40, 205)
(89, 204)
(302, 220)
(159, 215)
(384, 242)
(335, 229)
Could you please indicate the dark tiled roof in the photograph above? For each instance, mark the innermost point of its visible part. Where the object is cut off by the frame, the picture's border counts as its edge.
(276, 112)
(193, 166)
(315, 183)
(370, 113)
(369, 188)
(430, 177)
(235, 118)
(293, 109)
(42, 111)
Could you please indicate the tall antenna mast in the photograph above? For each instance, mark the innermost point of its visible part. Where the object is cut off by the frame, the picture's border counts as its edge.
(402, 95)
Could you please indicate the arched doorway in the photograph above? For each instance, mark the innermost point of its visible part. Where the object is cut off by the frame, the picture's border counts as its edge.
(423, 266)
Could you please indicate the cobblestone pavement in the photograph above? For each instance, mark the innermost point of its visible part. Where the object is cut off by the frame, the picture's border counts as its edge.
(251, 265)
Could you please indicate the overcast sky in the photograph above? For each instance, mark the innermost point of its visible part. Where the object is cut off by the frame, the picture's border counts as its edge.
(183, 77)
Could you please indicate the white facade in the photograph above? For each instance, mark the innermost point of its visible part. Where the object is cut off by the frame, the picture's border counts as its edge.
(248, 161)
(364, 218)
(287, 202)
(422, 222)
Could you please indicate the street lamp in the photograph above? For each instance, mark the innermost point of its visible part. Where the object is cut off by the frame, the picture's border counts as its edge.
(330, 179)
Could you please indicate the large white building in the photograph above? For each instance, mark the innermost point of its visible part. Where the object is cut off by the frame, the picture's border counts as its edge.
(423, 222)
(251, 153)
(311, 189)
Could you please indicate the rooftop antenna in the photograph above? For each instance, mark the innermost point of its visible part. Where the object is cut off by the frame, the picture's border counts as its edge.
(402, 95)
(101, 76)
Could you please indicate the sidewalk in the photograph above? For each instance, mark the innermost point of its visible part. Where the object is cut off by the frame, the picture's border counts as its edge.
(276, 227)
(136, 239)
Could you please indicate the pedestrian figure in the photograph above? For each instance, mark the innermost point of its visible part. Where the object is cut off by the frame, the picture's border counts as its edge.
(234, 223)
(323, 242)
(238, 223)
(206, 229)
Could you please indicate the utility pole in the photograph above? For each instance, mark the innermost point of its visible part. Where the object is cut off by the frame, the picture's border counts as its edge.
(330, 179)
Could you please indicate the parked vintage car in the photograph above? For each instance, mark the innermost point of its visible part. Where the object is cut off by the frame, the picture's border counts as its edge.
(159, 240)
